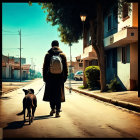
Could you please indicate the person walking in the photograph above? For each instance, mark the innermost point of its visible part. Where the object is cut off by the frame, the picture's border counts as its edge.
(55, 74)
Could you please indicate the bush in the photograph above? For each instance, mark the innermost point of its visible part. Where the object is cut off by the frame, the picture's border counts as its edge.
(83, 87)
(92, 74)
(114, 85)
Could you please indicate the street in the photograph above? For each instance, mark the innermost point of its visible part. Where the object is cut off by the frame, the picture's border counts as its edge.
(81, 117)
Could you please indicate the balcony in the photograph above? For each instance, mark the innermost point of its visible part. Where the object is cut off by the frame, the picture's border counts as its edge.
(123, 37)
(89, 53)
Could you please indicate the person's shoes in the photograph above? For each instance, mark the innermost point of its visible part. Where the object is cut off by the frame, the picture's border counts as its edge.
(57, 114)
(52, 112)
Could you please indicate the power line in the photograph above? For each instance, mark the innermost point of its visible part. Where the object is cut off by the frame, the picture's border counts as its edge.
(10, 48)
(10, 34)
(9, 31)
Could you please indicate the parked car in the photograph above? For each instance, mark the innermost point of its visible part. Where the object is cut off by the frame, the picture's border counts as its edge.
(78, 75)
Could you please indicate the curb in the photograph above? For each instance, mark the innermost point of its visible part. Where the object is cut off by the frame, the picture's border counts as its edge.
(127, 105)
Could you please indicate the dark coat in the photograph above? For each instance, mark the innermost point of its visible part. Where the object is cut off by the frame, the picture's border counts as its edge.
(54, 89)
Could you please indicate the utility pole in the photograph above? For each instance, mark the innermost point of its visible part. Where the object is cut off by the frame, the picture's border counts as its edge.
(8, 58)
(20, 56)
(31, 72)
(34, 71)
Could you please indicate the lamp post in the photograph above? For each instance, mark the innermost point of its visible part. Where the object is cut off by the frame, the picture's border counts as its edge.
(83, 18)
(70, 69)
(31, 71)
(20, 56)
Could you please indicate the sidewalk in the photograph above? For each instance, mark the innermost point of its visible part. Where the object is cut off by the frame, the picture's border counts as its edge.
(11, 86)
(126, 99)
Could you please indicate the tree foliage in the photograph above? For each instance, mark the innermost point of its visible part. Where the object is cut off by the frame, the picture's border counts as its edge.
(67, 17)
(66, 14)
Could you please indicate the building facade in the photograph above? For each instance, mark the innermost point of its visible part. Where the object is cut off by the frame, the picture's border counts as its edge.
(76, 65)
(121, 45)
(11, 68)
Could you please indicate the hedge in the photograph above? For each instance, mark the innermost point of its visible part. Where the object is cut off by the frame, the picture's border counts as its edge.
(92, 74)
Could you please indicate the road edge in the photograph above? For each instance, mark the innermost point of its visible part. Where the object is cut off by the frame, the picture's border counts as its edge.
(127, 105)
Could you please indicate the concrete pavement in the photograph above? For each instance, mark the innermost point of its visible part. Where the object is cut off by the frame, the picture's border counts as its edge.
(81, 117)
(126, 99)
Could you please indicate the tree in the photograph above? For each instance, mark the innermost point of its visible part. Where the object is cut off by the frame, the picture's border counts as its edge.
(67, 17)
(66, 14)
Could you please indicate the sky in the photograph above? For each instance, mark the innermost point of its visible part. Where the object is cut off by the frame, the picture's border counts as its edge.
(36, 34)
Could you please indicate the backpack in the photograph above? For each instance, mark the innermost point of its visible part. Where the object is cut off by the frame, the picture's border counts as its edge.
(56, 66)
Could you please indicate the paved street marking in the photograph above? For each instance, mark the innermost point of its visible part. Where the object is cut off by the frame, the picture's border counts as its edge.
(1, 133)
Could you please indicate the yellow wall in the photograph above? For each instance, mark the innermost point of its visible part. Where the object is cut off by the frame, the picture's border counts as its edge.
(134, 62)
(135, 14)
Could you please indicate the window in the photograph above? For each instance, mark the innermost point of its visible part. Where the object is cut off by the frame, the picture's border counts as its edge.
(125, 11)
(124, 55)
(115, 18)
(93, 63)
(80, 64)
(114, 61)
(109, 22)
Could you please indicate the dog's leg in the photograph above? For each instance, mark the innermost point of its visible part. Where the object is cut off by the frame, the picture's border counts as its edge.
(29, 112)
(33, 111)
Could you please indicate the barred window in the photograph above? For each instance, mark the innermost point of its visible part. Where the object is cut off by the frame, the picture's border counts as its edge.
(124, 55)
(80, 64)
(109, 22)
(125, 10)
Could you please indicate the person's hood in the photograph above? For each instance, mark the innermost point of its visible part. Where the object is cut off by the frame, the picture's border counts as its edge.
(55, 50)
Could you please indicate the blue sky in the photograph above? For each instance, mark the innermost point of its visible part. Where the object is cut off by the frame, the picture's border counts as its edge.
(36, 33)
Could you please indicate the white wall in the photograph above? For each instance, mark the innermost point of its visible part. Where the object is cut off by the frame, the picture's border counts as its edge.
(123, 70)
(16, 74)
(4, 72)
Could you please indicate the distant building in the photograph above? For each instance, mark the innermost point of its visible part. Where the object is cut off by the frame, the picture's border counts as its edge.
(76, 65)
(6, 68)
(11, 68)
(17, 60)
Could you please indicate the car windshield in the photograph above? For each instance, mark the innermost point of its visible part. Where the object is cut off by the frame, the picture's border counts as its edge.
(79, 72)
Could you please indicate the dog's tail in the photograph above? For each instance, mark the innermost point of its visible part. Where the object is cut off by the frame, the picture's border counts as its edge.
(21, 113)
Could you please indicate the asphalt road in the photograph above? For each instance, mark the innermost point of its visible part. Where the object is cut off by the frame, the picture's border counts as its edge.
(81, 117)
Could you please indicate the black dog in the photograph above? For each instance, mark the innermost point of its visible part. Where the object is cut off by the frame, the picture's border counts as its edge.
(29, 103)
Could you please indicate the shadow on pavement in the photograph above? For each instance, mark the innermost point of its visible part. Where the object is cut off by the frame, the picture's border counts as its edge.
(15, 125)
(20, 124)
(42, 117)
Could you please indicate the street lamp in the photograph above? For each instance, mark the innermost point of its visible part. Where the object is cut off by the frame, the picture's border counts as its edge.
(83, 18)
